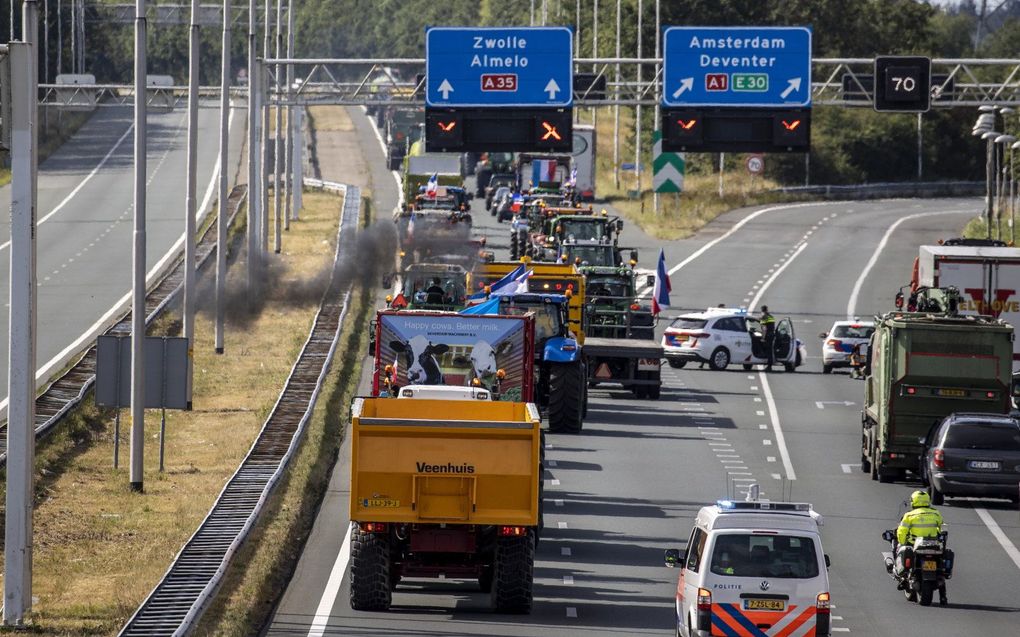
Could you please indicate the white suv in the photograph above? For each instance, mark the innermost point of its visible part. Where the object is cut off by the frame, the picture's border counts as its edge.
(722, 336)
(840, 340)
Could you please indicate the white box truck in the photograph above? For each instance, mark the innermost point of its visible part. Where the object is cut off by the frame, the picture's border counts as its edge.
(988, 278)
(584, 161)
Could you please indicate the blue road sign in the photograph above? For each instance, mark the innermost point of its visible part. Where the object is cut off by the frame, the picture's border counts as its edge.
(737, 66)
(499, 66)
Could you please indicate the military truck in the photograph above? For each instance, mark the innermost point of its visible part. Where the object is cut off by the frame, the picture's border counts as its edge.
(922, 366)
(444, 489)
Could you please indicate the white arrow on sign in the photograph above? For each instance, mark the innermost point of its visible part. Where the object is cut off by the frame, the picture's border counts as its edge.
(792, 85)
(686, 84)
(552, 88)
(446, 88)
(822, 403)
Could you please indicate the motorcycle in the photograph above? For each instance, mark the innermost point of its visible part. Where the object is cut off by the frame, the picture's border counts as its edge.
(926, 566)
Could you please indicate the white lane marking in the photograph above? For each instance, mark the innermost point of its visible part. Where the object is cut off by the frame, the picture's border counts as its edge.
(551, 463)
(777, 426)
(336, 577)
(81, 184)
(737, 226)
(726, 455)
(993, 526)
(740, 473)
(839, 629)
(777, 476)
(571, 612)
(757, 399)
(750, 377)
(759, 413)
(766, 442)
(566, 551)
(719, 444)
(850, 467)
(763, 426)
(851, 304)
(754, 387)
(770, 458)
(568, 580)
(775, 275)
(561, 525)
(558, 503)
(554, 482)
(743, 479)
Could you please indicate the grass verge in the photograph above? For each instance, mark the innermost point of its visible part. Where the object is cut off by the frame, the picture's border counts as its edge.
(977, 228)
(680, 215)
(99, 548)
(53, 133)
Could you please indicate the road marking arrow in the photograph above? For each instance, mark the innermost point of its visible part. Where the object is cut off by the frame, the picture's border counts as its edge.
(822, 403)
(445, 88)
(792, 85)
(552, 88)
(686, 84)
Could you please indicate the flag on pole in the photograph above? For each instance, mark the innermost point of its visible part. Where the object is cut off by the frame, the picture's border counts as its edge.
(660, 293)
(543, 170)
(509, 279)
(573, 177)
(432, 187)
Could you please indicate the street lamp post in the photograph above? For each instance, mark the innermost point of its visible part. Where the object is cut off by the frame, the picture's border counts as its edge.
(1012, 193)
(991, 177)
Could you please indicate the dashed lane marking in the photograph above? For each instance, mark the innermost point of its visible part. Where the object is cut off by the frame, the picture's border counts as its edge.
(568, 580)
(561, 525)
(777, 427)
(850, 467)
(571, 612)
(566, 551)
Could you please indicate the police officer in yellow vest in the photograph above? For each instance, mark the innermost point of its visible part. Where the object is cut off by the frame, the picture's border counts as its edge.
(768, 328)
(920, 521)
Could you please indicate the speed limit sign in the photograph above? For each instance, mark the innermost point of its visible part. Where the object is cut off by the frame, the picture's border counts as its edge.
(755, 164)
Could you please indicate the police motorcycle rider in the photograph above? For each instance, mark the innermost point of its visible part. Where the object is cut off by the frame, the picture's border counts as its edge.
(922, 520)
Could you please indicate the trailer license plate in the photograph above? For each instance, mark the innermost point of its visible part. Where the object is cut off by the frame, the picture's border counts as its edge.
(928, 565)
(647, 364)
(983, 464)
(952, 393)
(764, 604)
(385, 503)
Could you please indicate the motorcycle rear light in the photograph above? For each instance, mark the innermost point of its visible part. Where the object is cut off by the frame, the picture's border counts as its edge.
(939, 459)
(906, 562)
(512, 531)
(704, 599)
(374, 527)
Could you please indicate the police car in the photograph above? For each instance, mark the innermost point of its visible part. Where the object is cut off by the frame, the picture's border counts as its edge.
(753, 568)
(722, 336)
(840, 340)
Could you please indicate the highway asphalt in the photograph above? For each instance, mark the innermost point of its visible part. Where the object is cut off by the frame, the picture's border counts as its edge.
(85, 218)
(630, 484)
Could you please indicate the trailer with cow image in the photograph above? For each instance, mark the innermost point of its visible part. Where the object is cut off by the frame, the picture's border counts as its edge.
(444, 489)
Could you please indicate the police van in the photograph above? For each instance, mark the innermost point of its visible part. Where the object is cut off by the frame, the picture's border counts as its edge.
(753, 569)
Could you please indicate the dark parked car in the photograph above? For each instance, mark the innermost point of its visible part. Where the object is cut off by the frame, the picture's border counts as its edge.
(501, 202)
(973, 454)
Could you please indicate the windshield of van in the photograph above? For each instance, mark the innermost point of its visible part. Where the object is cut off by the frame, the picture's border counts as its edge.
(776, 556)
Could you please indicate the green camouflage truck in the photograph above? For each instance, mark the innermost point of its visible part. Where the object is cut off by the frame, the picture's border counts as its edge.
(922, 366)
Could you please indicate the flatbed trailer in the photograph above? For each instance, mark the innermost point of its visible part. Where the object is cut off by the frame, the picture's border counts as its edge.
(634, 364)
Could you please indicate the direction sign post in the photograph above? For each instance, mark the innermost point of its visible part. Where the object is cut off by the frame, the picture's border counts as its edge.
(499, 89)
(737, 66)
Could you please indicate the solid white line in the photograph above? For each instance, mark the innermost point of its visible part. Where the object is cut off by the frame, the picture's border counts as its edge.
(851, 304)
(336, 577)
(780, 438)
(993, 526)
(740, 224)
(775, 275)
(81, 184)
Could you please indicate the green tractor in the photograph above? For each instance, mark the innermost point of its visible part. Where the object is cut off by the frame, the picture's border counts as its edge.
(612, 306)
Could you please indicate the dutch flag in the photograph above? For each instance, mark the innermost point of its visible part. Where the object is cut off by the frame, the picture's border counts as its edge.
(432, 187)
(660, 293)
(509, 280)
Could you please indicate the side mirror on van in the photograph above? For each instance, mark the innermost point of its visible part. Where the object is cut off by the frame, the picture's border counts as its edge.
(828, 562)
(822, 335)
(672, 558)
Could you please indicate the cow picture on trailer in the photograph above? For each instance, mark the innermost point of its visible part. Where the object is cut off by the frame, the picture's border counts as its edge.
(419, 357)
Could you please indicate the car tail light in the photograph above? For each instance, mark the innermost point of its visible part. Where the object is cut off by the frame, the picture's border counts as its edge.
(989, 394)
(834, 343)
(373, 527)
(939, 459)
(704, 599)
(909, 391)
(822, 603)
(512, 531)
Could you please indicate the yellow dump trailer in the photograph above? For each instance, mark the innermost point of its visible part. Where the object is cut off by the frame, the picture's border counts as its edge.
(455, 497)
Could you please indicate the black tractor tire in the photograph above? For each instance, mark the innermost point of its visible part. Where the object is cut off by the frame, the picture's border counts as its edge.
(926, 593)
(719, 359)
(873, 465)
(886, 475)
(937, 497)
(513, 574)
(566, 397)
(676, 364)
(515, 251)
(370, 572)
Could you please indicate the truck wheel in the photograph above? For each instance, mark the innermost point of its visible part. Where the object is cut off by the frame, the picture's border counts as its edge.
(566, 393)
(676, 364)
(885, 474)
(370, 571)
(513, 574)
(654, 392)
(720, 359)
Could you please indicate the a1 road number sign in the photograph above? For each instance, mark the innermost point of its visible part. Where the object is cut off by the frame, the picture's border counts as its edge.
(499, 82)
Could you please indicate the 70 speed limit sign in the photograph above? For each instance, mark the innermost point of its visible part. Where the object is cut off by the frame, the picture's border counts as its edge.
(756, 164)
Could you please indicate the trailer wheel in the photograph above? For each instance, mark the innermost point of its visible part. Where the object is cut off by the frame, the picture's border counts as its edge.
(370, 571)
(515, 252)
(566, 395)
(513, 573)
(653, 392)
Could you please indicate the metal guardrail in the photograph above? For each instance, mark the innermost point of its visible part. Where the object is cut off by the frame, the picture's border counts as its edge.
(178, 601)
(892, 189)
(68, 390)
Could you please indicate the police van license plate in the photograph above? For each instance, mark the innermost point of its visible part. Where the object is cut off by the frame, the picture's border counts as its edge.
(648, 364)
(929, 565)
(764, 604)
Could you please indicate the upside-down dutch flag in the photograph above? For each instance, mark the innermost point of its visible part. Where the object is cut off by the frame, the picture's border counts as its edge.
(543, 170)
(660, 293)
(432, 187)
